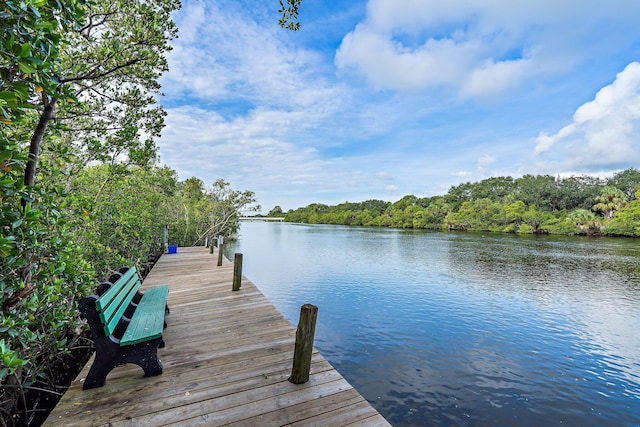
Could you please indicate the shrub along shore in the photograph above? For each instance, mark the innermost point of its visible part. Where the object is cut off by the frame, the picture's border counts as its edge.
(532, 204)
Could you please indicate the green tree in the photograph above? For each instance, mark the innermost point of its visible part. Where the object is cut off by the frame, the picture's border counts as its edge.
(107, 75)
(276, 211)
(496, 188)
(226, 205)
(626, 222)
(432, 216)
(459, 194)
(609, 201)
(376, 207)
(627, 181)
(536, 190)
(534, 218)
(576, 192)
(193, 189)
(41, 272)
(189, 214)
(406, 201)
(31, 38)
(364, 217)
(512, 215)
(561, 225)
(586, 221)
(123, 225)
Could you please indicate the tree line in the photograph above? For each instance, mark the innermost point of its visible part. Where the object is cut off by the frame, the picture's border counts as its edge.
(531, 204)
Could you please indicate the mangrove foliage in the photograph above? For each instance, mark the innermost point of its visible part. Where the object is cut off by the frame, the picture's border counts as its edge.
(532, 204)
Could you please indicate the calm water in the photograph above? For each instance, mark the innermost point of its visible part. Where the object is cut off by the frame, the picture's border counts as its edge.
(464, 329)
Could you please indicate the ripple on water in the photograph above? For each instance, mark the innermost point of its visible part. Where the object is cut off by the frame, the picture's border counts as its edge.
(463, 329)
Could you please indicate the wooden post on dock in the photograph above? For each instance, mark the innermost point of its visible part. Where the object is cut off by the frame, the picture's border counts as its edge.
(237, 272)
(304, 344)
(165, 238)
(220, 248)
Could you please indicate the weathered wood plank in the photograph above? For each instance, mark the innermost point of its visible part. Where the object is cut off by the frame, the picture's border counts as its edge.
(294, 413)
(226, 362)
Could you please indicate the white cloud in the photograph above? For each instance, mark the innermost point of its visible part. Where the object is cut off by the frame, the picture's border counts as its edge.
(492, 77)
(223, 53)
(251, 152)
(485, 161)
(478, 48)
(237, 149)
(388, 64)
(605, 132)
(384, 176)
(546, 142)
(268, 111)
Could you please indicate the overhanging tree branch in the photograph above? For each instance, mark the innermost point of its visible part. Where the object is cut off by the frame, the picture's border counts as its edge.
(105, 73)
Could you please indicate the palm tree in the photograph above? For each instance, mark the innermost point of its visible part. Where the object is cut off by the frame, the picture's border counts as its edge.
(586, 221)
(609, 201)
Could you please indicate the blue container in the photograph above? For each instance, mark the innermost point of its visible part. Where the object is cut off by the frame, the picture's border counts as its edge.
(172, 249)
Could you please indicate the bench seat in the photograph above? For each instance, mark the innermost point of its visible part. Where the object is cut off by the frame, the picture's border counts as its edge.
(148, 320)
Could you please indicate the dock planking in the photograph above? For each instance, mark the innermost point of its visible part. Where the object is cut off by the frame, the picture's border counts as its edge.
(227, 360)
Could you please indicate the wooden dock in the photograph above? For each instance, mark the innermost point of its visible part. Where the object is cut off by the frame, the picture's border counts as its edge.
(227, 359)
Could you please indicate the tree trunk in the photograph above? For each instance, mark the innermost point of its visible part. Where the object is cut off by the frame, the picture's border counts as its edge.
(36, 140)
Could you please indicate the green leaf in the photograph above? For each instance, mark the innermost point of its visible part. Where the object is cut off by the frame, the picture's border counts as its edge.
(35, 12)
(26, 50)
(26, 68)
(5, 114)
(21, 90)
(7, 95)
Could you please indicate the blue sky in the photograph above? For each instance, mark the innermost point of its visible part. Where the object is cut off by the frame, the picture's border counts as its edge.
(378, 99)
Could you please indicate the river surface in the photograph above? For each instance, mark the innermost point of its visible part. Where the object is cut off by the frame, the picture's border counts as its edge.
(465, 329)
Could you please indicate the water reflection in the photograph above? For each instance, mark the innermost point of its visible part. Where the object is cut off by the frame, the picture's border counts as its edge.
(465, 329)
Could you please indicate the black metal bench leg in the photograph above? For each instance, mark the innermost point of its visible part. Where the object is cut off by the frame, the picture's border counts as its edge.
(152, 366)
(144, 355)
(97, 376)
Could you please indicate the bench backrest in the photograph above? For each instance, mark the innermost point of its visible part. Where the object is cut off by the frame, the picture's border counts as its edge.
(115, 301)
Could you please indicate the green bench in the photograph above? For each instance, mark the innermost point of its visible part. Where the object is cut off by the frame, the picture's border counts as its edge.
(126, 325)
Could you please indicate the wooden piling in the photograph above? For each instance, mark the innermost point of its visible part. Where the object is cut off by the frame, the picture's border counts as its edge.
(165, 238)
(220, 249)
(237, 272)
(304, 344)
